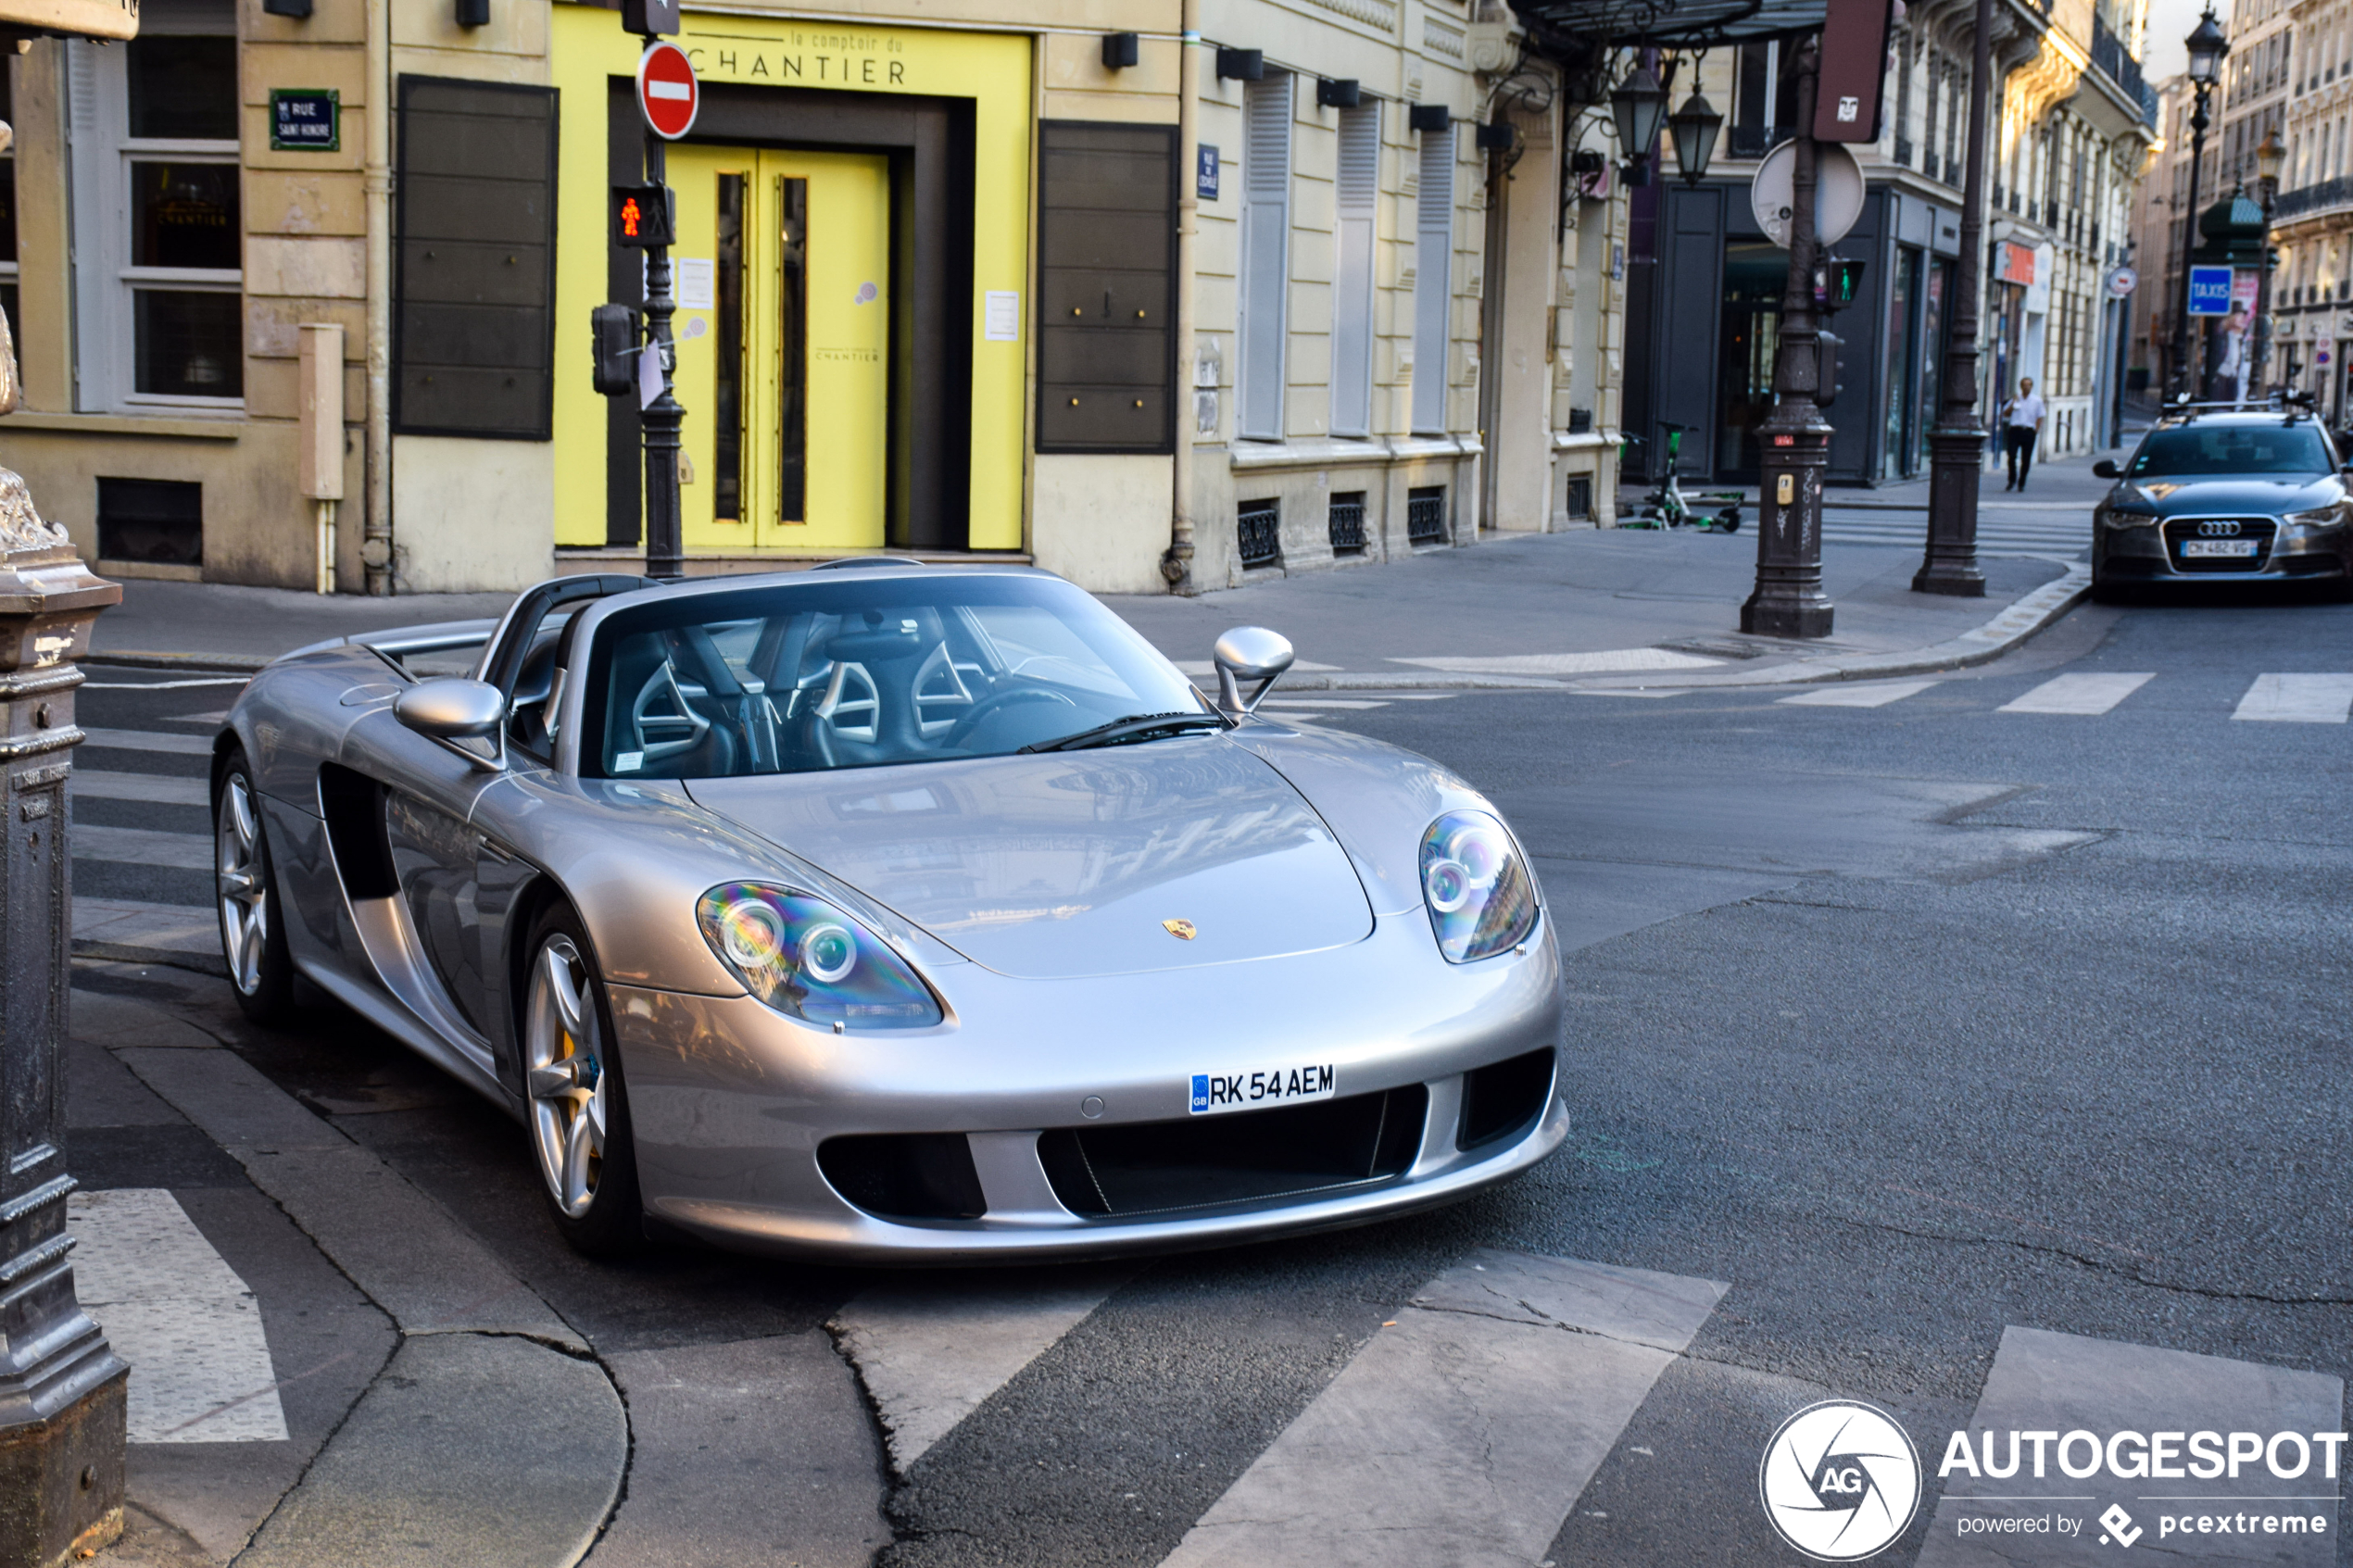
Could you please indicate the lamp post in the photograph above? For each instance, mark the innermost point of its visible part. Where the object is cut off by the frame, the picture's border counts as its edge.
(1695, 126)
(1637, 105)
(2207, 46)
(1957, 446)
(2269, 157)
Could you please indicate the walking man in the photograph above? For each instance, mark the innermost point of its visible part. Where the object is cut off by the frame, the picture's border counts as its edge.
(2021, 427)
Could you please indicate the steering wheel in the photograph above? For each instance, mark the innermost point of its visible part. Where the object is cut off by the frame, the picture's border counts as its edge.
(995, 701)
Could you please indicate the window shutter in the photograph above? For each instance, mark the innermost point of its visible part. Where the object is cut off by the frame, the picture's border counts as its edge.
(474, 293)
(1106, 207)
(1358, 199)
(1433, 280)
(1266, 112)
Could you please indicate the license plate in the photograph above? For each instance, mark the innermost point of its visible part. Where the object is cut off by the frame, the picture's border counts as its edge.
(2209, 547)
(1256, 1088)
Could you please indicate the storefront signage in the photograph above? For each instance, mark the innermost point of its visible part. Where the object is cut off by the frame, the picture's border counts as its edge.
(1853, 82)
(305, 120)
(804, 58)
(2014, 263)
(2209, 291)
(1205, 173)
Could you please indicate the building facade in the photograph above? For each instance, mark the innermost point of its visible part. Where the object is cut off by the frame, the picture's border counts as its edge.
(2070, 137)
(2312, 218)
(964, 280)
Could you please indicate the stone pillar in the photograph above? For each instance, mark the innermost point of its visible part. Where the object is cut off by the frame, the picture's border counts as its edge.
(61, 1386)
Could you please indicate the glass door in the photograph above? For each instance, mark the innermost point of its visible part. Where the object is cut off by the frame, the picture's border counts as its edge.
(786, 256)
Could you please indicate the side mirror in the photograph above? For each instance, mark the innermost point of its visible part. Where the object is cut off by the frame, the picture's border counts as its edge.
(1249, 653)
(2105, 468)
(455, 707)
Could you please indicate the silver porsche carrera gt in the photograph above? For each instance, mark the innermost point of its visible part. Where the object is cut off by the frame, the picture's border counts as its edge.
(896, 913)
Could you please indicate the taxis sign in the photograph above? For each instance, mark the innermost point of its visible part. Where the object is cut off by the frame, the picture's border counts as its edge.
(78, 19)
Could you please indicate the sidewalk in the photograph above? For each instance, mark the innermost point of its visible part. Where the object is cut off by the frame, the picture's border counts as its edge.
(1514, 609)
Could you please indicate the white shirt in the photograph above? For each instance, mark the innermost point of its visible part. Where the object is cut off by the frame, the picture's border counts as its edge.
(2027, 411)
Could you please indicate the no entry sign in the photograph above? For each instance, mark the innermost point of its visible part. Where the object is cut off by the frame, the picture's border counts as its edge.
(667, 92)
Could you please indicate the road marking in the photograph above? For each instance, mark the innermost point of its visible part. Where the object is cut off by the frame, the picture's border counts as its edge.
(2084, 694)
(164, 686)
(1645, 691)
(142, 846)
(1209, 667)
(1466, 1432)
(1563, 663)
(160, 789)
(2063, 1384)
(147, 740)
(1319, 702)
(216, 717)
(124, 923)
(2298, 700)
(930, 1350)
(1876, 693)
(174, 1309)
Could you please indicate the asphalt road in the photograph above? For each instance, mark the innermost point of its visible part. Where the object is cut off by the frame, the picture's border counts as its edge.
(1909, 1024)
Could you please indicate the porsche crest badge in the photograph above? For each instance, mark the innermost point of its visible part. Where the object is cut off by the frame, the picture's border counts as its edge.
(1180, 929)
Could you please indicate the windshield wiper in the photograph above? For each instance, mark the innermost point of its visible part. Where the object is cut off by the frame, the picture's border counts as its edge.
(1135, 727)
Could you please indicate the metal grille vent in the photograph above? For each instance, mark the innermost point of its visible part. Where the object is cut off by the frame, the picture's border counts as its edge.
(1426, 515)
(1345, 522)
(1258, 529)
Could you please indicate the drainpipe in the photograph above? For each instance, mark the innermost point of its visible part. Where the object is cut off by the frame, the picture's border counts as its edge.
(1176, 565)
(375, 543)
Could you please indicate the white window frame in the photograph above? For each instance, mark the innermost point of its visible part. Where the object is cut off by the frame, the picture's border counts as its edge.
(105, 283)
(1433, 280)
(1356, 215)
(1263, 290)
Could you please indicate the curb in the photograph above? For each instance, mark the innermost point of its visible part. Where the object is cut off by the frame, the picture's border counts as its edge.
(133, 952)
(238, 663)
(1981, 644)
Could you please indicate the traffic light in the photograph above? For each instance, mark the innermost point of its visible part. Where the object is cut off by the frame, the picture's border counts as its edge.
(1847, 281)
(614, 328)
(641, 218)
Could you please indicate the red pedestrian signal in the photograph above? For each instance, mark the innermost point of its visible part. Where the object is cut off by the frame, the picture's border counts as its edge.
(629, 218)
(641, 217)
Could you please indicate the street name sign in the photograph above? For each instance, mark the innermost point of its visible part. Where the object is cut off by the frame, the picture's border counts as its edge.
(668, 94)
(305, 120)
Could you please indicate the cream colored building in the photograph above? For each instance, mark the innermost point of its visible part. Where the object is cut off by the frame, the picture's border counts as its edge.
(969, 282)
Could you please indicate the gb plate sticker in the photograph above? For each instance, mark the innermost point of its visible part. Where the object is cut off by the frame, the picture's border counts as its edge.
(1214, 1092)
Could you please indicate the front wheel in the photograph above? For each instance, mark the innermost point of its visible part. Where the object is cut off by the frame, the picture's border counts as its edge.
(579, 1107)
(252, 926)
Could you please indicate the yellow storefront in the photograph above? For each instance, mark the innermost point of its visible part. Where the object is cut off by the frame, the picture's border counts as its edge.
(853, 240)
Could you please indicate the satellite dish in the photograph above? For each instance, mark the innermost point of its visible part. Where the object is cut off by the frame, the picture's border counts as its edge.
(1838, 192)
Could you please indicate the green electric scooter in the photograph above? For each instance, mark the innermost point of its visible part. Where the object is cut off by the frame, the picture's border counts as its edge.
(1668, 507)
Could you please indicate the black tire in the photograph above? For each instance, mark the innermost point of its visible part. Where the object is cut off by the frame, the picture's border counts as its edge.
(598, 1211)
(262, 972)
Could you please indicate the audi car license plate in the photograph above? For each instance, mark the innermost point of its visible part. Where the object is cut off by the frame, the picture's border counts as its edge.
(2208, 549)
(1257, 1088)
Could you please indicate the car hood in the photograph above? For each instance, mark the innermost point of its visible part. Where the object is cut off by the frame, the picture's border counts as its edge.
(1069, 864)
(2219, 498)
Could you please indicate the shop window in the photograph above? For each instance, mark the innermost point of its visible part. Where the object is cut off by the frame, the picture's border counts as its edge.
(158, 296)
(1106, 206)
(1258, 529)
(474, 277)
(151, 520)
(1265, 262)
(1357, 203)
(1433, 279)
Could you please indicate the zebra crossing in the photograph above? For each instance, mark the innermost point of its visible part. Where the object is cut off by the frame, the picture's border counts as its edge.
(2028, 528)
(142, 829)
(1469, 1425)
(2277, 698)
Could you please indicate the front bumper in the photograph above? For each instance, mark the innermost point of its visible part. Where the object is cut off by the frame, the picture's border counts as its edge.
(2286, 552)
(732, 1102)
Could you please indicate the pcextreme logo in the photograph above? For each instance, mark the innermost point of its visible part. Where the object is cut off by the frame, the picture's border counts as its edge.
(1840, 1480)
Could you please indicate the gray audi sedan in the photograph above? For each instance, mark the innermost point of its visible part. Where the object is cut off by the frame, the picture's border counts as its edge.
(2224, 496)
(897, 913)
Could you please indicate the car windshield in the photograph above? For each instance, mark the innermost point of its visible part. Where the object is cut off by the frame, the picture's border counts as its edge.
(855, 671)
(2194, 450)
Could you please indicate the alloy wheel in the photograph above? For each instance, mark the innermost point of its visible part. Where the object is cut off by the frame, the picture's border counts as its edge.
(243, 883)
(564, 1075)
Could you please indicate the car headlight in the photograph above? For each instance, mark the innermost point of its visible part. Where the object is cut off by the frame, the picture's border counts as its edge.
(809, 961)
(2117, 517)
(2319, 516)
(1480, 897)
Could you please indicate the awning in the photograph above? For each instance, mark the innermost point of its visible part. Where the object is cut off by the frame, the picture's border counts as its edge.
(1610, 24)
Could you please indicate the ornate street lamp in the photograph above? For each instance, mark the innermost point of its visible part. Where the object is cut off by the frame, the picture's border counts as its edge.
(2207, 46)
(2269, 157)
(1695, 125)
(1639, 106)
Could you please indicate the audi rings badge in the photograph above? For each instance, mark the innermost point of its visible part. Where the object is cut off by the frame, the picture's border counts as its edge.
(2217, 528)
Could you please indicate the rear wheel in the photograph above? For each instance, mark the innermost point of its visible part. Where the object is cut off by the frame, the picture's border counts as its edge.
(578, 1106)
(253, 932)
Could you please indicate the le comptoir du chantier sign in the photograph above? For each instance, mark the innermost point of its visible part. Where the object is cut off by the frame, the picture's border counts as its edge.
(802, 57)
